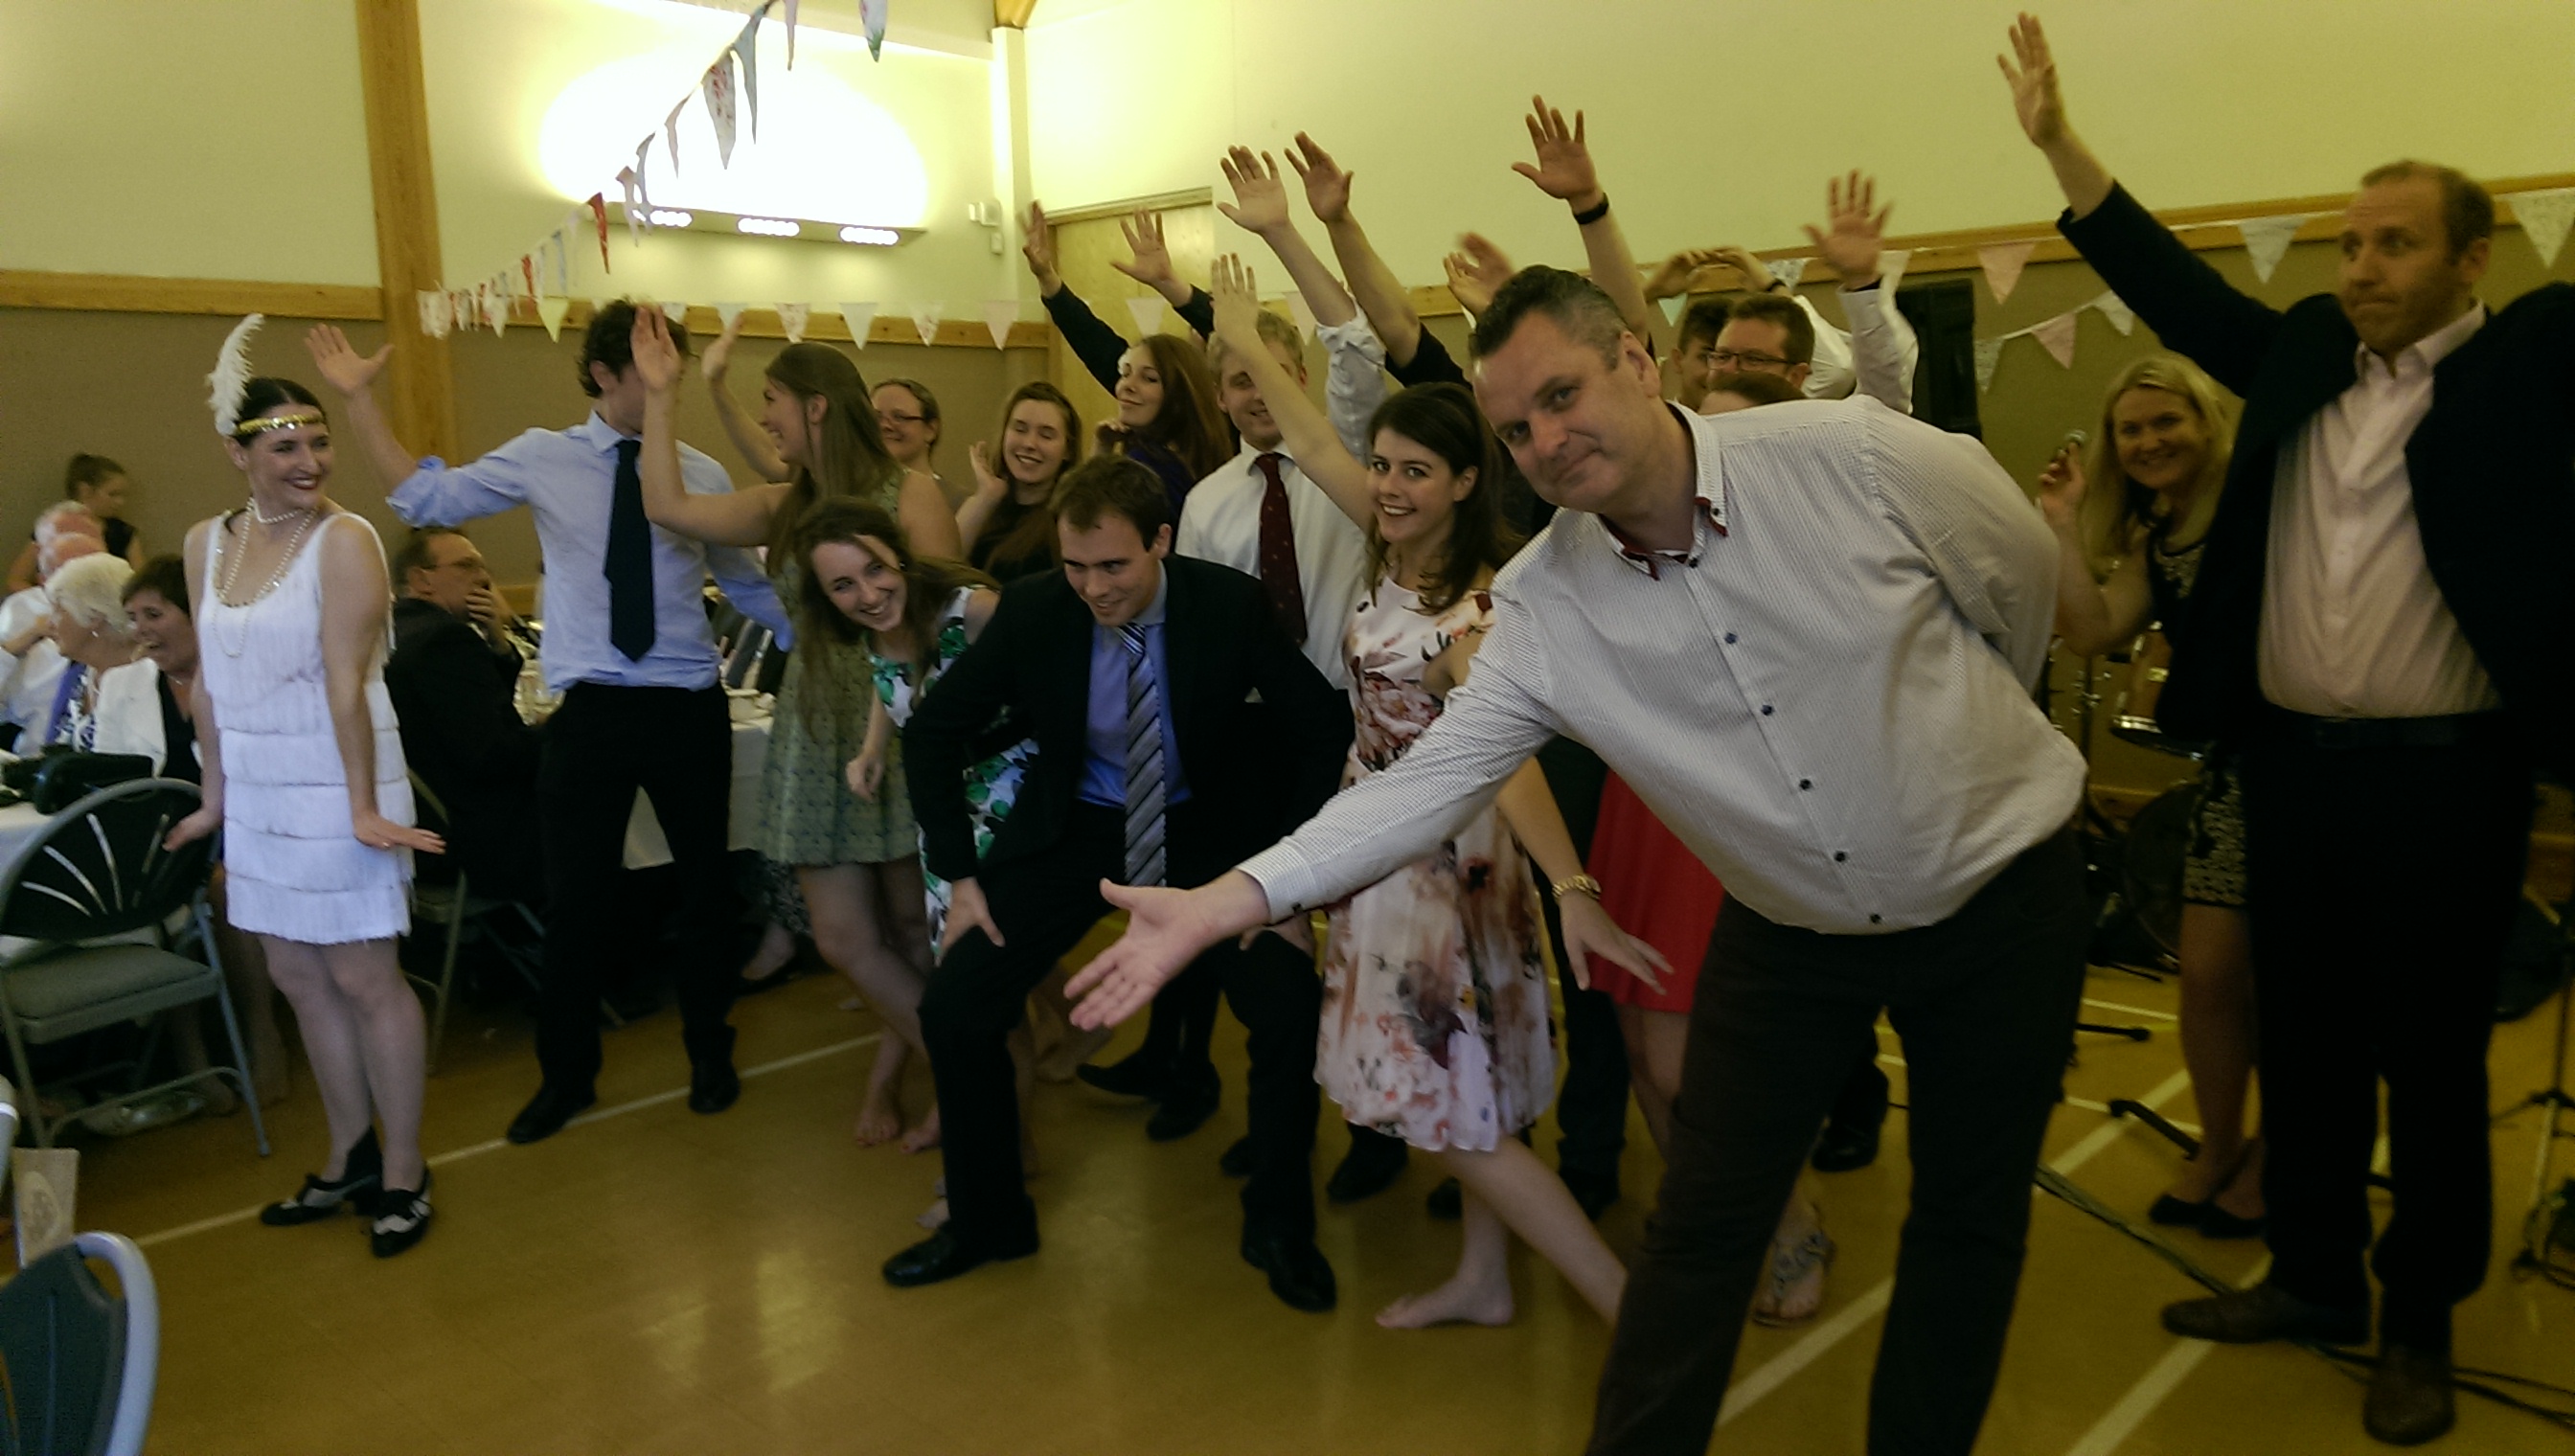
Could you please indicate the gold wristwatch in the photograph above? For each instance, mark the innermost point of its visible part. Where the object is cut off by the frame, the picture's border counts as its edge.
(1575, 884)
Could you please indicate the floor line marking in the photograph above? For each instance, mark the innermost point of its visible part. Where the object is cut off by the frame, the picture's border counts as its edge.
(655, 1099)
(2160, 1380)
(2132, 1010)
(1778, 1369)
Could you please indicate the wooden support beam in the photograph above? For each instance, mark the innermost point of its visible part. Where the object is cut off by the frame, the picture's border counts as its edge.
(1012, 14)
(420, 395)
(131, 293)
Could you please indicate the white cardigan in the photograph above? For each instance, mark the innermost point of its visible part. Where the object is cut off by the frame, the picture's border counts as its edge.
(129, 712)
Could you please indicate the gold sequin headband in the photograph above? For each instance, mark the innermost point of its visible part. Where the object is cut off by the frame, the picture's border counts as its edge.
(266, 423)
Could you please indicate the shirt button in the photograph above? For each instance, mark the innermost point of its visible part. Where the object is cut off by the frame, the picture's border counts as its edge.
(1805, 783)
(1765, 709)
(1729, 639)
(1839, 856)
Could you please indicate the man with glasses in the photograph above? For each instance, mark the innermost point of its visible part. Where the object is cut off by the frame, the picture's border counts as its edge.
(454, 677)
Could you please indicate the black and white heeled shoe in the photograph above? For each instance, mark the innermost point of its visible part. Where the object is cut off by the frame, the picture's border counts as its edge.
(362, 1176)
(402, 1219)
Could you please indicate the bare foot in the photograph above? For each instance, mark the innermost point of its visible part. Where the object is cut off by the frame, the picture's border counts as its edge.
(880, 1118)
(1794, 1288)
(934, 1217)
(1455, 1302)
(776, 947)
(923, 1137)
(1075, 1049)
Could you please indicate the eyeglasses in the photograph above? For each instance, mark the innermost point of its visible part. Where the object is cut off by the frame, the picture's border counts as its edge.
(1739, 360)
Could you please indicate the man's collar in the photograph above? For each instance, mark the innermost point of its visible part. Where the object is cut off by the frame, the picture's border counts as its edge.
(598, 434)
(1160, 606)
(1707, 484)
(2432, 348)
(1248, 460)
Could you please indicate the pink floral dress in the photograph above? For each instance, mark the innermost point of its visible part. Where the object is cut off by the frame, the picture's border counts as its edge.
(1436, 1024)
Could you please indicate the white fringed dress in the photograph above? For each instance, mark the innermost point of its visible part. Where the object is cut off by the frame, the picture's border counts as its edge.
(292, 858)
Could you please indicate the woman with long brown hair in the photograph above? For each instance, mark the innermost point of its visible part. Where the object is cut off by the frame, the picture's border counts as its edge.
(857, 862)
(2130, 521)
(1009, 523)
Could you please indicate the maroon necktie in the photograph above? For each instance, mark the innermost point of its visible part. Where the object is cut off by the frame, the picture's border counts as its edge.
(1279, 551)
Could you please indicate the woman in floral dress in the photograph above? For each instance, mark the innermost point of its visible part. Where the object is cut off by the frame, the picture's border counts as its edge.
(1435, 1026)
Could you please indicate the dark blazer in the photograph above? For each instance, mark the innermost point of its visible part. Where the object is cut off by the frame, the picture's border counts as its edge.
(1254, 769)
(2492, 466)
(461, 733)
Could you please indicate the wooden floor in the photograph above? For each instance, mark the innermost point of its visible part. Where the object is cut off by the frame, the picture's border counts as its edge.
(654, 1281)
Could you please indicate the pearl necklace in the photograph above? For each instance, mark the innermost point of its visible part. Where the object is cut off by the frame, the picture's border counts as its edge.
(264, 519)
(232, 576)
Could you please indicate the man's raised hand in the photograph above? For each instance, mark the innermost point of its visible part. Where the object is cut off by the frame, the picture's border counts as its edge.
(1327, 186)
(1564, 171)
(1260, 198)
(657, 359)
(343, 368)
(2035, 97)
(1852, 232)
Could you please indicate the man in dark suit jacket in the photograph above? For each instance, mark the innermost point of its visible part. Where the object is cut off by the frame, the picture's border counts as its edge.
(2380, 628)
(1248, 741)
(453, 677)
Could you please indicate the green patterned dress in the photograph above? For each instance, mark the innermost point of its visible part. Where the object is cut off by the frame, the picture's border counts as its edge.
(808, 814)
(992, 785)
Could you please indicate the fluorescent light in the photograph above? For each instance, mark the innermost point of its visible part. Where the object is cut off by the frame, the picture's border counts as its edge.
(665, 217)
(768, 227)
(879, 237)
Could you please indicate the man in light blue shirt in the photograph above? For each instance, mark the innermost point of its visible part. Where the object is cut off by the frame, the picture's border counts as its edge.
(628, 644)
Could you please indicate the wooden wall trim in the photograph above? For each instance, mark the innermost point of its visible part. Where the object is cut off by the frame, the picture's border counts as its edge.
(135, 294)
(422, 395)
(1159, 201)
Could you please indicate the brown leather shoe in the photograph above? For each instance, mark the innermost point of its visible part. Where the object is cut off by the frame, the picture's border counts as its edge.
(2265, 1312)
(2409, 1398)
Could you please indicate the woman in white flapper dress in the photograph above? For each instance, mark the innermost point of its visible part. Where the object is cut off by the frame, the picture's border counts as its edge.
(304, 777)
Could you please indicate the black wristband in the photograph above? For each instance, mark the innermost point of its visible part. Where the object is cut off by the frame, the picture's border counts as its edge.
(1775, 285)
(1593, 213)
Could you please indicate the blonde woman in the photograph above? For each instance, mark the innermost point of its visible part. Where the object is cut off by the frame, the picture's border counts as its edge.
(2130, 521)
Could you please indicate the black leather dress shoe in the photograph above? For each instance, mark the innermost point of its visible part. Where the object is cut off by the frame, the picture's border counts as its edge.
(1184, 1112)
(944, 1256)
(1139, 1076)
(1236, 1163)
(1846, 1146)
(547, 1112)
(713, 1087)
(2409, 1396)
(1372, 1165)
(1298, 1272)
(2265, 1312)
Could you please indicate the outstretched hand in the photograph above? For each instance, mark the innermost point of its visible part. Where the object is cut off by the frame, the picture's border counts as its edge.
(1756, 274)
(1151, 261)
(1238, 302)
(1477, 271)
(2035, 97)
(1165, 931)
(343, 368)
(718, 356)
(1564, 171)
(1037, 244)
(1260, 198)
(1327, 186)
(657, 358)
(1852, 232)
(1670, 278)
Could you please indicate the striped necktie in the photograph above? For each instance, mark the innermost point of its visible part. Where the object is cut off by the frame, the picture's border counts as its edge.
(1144, 763)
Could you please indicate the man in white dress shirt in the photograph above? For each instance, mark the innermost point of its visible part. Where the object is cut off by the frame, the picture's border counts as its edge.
(1807, 636)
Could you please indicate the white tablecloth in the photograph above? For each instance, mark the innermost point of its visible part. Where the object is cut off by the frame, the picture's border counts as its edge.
(645, 845)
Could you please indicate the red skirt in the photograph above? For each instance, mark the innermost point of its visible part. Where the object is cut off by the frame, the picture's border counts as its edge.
(1658, 891)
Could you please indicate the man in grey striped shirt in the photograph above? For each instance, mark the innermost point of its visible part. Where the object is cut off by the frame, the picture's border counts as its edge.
(1807, 635)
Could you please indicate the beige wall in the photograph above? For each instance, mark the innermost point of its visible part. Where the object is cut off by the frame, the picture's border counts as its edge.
(1719, 123)
(185, 139)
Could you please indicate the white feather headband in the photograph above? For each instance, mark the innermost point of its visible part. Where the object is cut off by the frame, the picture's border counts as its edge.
(231, 378)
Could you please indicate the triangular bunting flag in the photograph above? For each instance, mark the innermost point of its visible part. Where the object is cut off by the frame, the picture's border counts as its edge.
(676, 313)
(1148, 314)
(643, 188)
(793, 318)
(437, 314)
(2266, 240)
(572, 228)
(671, 133)
(1989, 352)
(635, 222)
(860, 318)
(550, 312)
(2121, 317)
(727, 313)
(747, 46)
(718, 87)
(791, 34)
(2056, 335)
(599, 219)
(871, 16)
(496, 307)
(1790, 271)
(925, 321)
(2544, 217)
(460, 307)
(1890, 268)
(998, 315)
(2003, 262)
(1673, 309)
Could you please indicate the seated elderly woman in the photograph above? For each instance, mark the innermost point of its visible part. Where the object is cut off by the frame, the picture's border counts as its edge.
(30, 666)
(145, 708)
(90, 631)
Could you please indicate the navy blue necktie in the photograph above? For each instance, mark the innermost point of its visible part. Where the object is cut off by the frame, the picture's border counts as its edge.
(629, 560)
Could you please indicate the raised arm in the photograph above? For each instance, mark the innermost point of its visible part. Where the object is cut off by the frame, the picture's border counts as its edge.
(1310, 440)
(1564, 171)
(2091, 617)
(353, 377)
(1260, 207)
(1883, 348)
(992, 488)
(1096, 345)
(2041, 107)
(749, 440)
(1373, 288)
(354, 593)
(736, 518)
(1148, 262)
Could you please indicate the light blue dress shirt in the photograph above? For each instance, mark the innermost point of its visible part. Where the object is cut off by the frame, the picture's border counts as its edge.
(567, 480)
(1104, 772)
